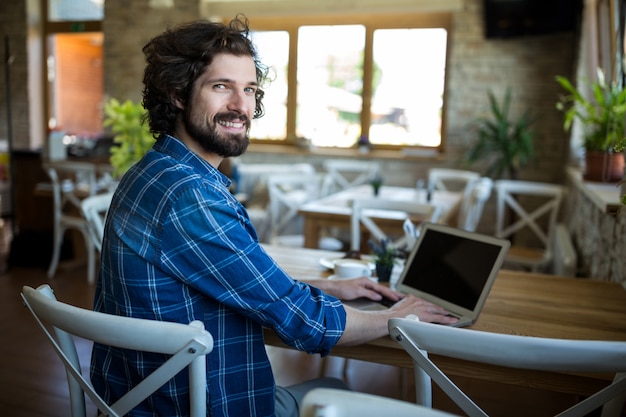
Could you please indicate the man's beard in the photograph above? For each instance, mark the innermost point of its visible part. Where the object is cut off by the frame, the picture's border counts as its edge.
(212, 141)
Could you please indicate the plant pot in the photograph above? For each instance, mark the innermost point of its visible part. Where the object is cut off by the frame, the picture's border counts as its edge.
(383, 272)
(603, 166)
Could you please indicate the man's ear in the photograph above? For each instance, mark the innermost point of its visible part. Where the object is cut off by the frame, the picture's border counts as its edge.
(178, 103)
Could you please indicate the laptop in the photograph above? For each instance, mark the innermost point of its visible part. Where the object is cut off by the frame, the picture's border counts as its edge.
(452, 268)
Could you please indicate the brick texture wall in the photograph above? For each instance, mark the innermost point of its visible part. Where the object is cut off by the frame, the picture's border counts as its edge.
(599, 238)
(13, 28)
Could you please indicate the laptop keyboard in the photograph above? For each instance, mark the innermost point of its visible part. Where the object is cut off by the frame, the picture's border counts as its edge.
(387, 302)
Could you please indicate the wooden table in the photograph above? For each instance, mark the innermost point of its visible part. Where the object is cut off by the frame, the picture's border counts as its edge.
(334, 211)
(519, 303)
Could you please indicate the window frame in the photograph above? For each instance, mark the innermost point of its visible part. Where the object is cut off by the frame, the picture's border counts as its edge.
(371, 22)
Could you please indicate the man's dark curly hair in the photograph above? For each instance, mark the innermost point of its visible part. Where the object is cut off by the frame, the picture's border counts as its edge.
(177, 57)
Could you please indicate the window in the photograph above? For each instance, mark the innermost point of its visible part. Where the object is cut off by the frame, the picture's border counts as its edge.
(330, 84)
(407, 88)
(341, 78)
(75, 10)
(74, 68)
(273, 48)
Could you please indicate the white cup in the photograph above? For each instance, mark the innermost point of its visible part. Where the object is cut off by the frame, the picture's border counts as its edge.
(352, 268)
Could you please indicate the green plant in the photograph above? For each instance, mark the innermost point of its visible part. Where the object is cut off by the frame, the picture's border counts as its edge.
(385, 257)
(506, 145)
(376, 182)
(602, 116)
(385, 253)
(132, 136)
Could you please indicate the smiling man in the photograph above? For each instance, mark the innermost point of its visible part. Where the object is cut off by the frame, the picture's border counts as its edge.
(179, 247)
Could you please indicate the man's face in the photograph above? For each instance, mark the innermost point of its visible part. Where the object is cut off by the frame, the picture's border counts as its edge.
(222, 105)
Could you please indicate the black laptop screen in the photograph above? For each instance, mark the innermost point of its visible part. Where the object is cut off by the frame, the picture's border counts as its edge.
(451, 268)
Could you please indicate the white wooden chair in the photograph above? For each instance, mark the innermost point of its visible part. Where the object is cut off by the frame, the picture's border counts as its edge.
(513, 351)
(327, 402)
(346, 173)
(188, 345)
(287, 193)
(253, 185)
(94, 209)
(534, 207)
(450, 179)
(364, 212)
(70, 182)
(473, 203)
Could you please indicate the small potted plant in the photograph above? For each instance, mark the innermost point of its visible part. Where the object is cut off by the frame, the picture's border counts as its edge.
(385, 257)
(376, 182)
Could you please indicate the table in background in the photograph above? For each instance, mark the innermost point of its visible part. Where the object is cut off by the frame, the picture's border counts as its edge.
(333, 211)
(519, 303)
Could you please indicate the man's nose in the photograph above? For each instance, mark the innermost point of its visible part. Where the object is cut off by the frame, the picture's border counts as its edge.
(240, 102)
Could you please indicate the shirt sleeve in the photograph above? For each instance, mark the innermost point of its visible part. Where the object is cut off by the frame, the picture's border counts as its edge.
(212, 246)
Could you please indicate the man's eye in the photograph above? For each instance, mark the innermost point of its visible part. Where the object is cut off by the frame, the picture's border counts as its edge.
(219, 86)
(250, 90)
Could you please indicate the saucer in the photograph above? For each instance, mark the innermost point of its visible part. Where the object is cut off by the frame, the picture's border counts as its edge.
(329, 263)
(335, 277)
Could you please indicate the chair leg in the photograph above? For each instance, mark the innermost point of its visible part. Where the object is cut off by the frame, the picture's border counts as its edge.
(56, 250)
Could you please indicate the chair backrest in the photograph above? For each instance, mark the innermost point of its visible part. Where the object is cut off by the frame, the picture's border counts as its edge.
(252, 183)
(513, 351)
(534, 207)
(474, 200)
(287, 193)
(71, 181)
(94, 209)
(364, 212)
(68, 180)
(449, 179)
(253, 178)
(346, 173)
(188, 345)
(328, 402)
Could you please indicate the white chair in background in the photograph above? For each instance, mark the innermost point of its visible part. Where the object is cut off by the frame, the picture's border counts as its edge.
(364, 212)
(287, 193)
(94, 209)
(327, 402)
(188, 345)
(346, 173)
(473, 203)
(513, 351)
(253, 185)
(450, 179)
(71, 181)
(527, 213)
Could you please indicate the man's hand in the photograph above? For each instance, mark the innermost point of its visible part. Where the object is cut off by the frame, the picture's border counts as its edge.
(426, 311)
(351, 289)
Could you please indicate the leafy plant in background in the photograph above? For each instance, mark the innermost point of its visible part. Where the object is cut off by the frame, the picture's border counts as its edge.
(132, 136)
(506, 145)
(602, 117)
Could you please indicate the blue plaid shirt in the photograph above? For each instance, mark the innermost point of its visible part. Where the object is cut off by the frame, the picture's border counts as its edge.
(178, 247)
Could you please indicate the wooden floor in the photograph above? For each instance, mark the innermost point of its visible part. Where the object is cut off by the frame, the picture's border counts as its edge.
(33, 382)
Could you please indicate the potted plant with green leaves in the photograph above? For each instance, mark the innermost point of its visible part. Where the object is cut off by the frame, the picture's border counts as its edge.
(601, 114)
(506, 145)
(131, 134)
(385, 256)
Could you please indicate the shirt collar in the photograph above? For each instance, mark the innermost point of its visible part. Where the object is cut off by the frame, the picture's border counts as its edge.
(174, 148)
